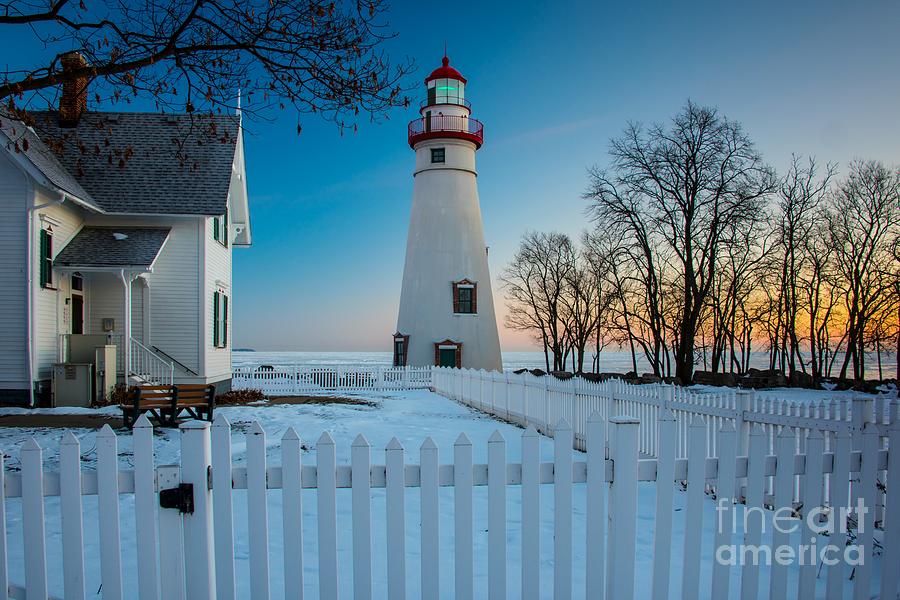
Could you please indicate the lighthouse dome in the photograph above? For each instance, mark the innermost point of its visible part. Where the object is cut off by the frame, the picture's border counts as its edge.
(445, 71)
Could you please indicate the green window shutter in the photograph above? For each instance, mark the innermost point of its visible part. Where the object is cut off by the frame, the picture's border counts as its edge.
(225, 239)
(224, 320)
(216, 228)
(43, 258)
(215, 318)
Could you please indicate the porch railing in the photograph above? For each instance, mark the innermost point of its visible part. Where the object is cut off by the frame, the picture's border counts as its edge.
(149, 366)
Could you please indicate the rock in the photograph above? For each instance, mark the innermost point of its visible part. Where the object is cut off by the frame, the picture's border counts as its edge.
(562, 374)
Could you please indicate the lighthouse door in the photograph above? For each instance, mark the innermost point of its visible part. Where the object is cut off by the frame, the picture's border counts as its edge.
(427, 120)
(448, 357)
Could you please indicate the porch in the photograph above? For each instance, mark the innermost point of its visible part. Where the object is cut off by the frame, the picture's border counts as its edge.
(107, 299)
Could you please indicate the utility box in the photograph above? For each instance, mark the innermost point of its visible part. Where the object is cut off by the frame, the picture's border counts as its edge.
(72, 384)
(105, 371)
(82, 347)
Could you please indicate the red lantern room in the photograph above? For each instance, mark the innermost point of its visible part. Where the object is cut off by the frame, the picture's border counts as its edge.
(445, 112)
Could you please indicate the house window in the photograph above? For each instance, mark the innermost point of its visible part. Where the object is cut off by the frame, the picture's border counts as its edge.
(465, 301)
(401, 344)
(220, 319)
(46, 264)
(437, 155)
(77, 282)
(220, 229)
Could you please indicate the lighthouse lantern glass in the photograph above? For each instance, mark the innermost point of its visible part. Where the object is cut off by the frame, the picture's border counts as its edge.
(446, 91)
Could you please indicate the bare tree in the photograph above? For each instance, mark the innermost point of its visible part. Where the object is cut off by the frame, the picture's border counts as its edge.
(534, 282)
(797, 210)
(194, 55)
(600, 250)
(863, 223)
(682, 187)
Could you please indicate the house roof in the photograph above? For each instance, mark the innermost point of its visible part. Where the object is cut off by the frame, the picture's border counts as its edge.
(101, 247)
(24, 142)
(146, 163)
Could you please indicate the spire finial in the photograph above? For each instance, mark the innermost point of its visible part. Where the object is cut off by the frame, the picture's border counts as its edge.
(445, 61)
(238, 109)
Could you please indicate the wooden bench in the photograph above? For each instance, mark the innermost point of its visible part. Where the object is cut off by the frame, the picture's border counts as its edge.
(157, 400)
(198, 400)
(166, 403)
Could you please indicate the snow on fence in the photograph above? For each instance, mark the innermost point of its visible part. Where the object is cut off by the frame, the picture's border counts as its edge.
(187, 549)
(301, 379)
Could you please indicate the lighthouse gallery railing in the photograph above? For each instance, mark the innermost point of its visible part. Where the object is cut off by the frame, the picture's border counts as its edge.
(454, 124)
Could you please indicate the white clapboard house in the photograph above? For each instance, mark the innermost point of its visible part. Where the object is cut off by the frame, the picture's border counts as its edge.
(120, 225)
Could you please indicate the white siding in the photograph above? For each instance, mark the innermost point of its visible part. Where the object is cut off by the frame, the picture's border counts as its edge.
(217, 276)
(51, 312)
(104, 300)
(14, 190)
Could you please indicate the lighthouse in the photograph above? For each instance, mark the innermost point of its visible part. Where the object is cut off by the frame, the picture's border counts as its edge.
(446, 305)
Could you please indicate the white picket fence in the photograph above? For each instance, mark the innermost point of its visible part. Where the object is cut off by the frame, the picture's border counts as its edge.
(191, 554)
(525, 399)
(304, 379)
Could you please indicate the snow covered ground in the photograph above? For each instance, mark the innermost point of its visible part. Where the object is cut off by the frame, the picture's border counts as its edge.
(411, 417)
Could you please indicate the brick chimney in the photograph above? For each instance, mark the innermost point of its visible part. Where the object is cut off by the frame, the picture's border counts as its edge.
(74, 94)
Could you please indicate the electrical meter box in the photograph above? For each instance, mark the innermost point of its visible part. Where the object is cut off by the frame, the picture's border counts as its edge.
(72, 384)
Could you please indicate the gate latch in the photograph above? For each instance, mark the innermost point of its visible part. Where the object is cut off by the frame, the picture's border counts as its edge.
(181, 497)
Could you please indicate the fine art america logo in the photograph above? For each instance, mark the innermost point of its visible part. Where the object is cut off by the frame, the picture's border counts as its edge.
(819, 521)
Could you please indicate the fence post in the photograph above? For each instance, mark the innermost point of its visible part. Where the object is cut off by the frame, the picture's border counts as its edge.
(741, 424)
(171, 542)
(462, 513)
(108, 507)
(292, 512)
(596, 517)
(892, 513)
(496, 516)
(145, 508)
(547, 428)
(35, 552)
(665, 488)
(223, 517)
(394, 521)
(4, 573)
(562, 509)
(623, 490)
(859, 416)
(200, 581)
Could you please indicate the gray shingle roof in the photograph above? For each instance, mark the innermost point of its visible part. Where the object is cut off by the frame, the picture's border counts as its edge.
(98, 247)
(147, 163)
(24, 141)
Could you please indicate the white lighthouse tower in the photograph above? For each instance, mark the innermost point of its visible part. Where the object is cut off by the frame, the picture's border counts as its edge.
(446, 305)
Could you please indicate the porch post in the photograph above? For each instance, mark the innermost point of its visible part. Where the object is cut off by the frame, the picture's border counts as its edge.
(126, 345)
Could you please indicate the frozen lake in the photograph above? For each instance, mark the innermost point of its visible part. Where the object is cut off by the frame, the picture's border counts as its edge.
(610, 360)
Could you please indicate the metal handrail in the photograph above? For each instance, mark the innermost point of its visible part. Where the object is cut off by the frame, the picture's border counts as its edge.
(148, 365)
(168, 356)
(466, 126)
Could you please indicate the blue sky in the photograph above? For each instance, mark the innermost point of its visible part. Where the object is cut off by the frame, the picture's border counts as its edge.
(552, 82)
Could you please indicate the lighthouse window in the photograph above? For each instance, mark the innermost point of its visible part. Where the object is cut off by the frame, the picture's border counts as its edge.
(437, 155)
(464, 298)
(446, 91)
(400, 343)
